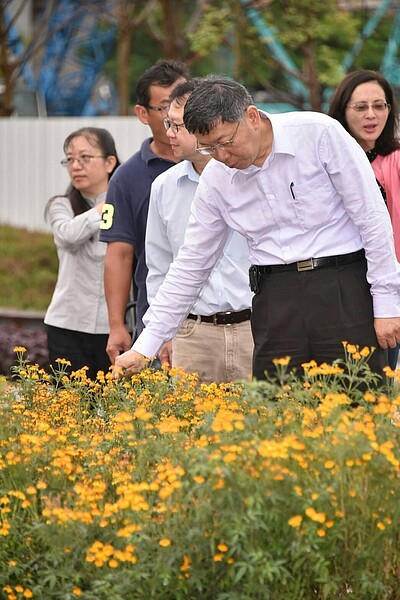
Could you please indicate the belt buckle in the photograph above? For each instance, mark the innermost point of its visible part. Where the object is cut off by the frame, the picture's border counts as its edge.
(222, 315)
(305, 265)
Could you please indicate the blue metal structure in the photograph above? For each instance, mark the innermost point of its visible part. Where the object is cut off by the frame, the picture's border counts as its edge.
(17, 48)
(78, 46)
(73, 59)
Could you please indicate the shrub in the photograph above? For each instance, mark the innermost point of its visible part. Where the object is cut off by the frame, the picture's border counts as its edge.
(159, 488)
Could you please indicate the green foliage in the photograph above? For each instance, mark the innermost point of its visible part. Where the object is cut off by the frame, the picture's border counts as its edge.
(213, 29)
(28, 268)
(157, 487)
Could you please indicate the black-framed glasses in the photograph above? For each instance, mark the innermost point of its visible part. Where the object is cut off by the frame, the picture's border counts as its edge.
(168, 124)
(161, 109)
(212, 149)
(83, 159)
(377, 106)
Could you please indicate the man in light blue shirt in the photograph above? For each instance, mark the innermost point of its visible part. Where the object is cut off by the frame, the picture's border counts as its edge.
(215, 340)
(303, 193)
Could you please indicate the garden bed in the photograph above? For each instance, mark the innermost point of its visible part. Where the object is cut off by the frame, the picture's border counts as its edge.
(159, 488)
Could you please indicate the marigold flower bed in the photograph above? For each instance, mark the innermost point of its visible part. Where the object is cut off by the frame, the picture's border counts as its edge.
(159, 488)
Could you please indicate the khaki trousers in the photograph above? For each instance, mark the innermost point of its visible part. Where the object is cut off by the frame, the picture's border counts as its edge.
(216, 352)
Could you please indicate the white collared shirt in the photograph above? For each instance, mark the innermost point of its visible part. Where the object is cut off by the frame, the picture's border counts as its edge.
(172, 193)
(315, 195)
(78, 301)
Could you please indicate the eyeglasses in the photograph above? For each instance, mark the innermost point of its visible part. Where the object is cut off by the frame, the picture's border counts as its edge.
(212, 149)
(378, 106)
(83, 159)
(168, 124)
(161, 109)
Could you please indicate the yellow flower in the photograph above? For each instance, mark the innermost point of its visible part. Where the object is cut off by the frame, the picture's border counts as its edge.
(165, 542)
(321, 532)
(113, 564)
(295, 521)
(222, 547)
(329, 464)
(218, 557)
(27, 594)
(186, 563)
(284, 361)
(77, 591)
(19, 349)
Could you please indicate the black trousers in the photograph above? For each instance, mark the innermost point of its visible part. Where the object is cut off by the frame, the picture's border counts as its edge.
(80, 349)
(308, 315)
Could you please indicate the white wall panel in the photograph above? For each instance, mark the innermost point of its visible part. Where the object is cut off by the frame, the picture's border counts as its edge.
(30, 154)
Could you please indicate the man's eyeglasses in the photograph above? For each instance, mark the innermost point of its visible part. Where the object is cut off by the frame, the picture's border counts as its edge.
(168, 124)
(212, 149)
(83, 159)
(378, 106)
(161, 109)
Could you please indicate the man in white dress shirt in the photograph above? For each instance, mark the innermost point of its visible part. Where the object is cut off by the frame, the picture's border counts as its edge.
(215, 339)
(302, 192)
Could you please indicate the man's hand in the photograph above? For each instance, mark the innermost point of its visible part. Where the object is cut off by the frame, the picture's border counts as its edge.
(119, 341)
(165, 354)
(128, 363)
(387, 332)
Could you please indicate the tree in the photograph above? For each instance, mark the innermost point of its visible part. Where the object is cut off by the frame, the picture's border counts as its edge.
(17, 57)
(14, 57)
(168, 25)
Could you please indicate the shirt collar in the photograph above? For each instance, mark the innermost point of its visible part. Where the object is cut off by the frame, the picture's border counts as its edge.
(281, 143)
(186, 169)
(147, 153)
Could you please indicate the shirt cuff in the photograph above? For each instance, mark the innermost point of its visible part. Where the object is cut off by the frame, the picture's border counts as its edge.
(147, 344)
(386, 307)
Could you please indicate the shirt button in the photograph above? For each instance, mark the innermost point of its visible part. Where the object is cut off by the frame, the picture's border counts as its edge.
(272, 197)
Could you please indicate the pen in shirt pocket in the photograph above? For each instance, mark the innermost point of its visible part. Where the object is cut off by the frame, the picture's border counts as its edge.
(291, 186)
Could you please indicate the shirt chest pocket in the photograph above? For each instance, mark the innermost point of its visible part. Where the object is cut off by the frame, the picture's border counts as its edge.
(314, 202)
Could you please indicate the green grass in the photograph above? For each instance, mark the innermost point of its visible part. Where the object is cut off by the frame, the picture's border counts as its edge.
(28, 268)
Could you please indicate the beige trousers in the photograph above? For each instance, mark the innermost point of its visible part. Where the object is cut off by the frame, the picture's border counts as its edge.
(216, 352)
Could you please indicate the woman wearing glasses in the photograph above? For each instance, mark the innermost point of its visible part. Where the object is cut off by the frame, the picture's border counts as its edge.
(365, 105)
(76, 319)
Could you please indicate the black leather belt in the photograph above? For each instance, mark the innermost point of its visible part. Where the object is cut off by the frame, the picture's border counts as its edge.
(314, 263)
(223, 318)
(256, 271)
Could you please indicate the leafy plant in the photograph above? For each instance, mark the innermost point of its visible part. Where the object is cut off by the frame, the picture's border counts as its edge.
(158, 487)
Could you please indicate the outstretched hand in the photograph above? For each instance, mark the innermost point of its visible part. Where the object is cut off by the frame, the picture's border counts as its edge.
(129, 362)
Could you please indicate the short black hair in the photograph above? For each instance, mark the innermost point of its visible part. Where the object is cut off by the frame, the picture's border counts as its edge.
(214, 100)
(184, 89)
(163, 73)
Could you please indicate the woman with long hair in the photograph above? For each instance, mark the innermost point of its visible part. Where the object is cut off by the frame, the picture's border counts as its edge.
(76, 319)
(365, 105)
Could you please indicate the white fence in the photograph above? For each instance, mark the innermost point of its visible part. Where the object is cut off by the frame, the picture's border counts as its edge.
(30, 154)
